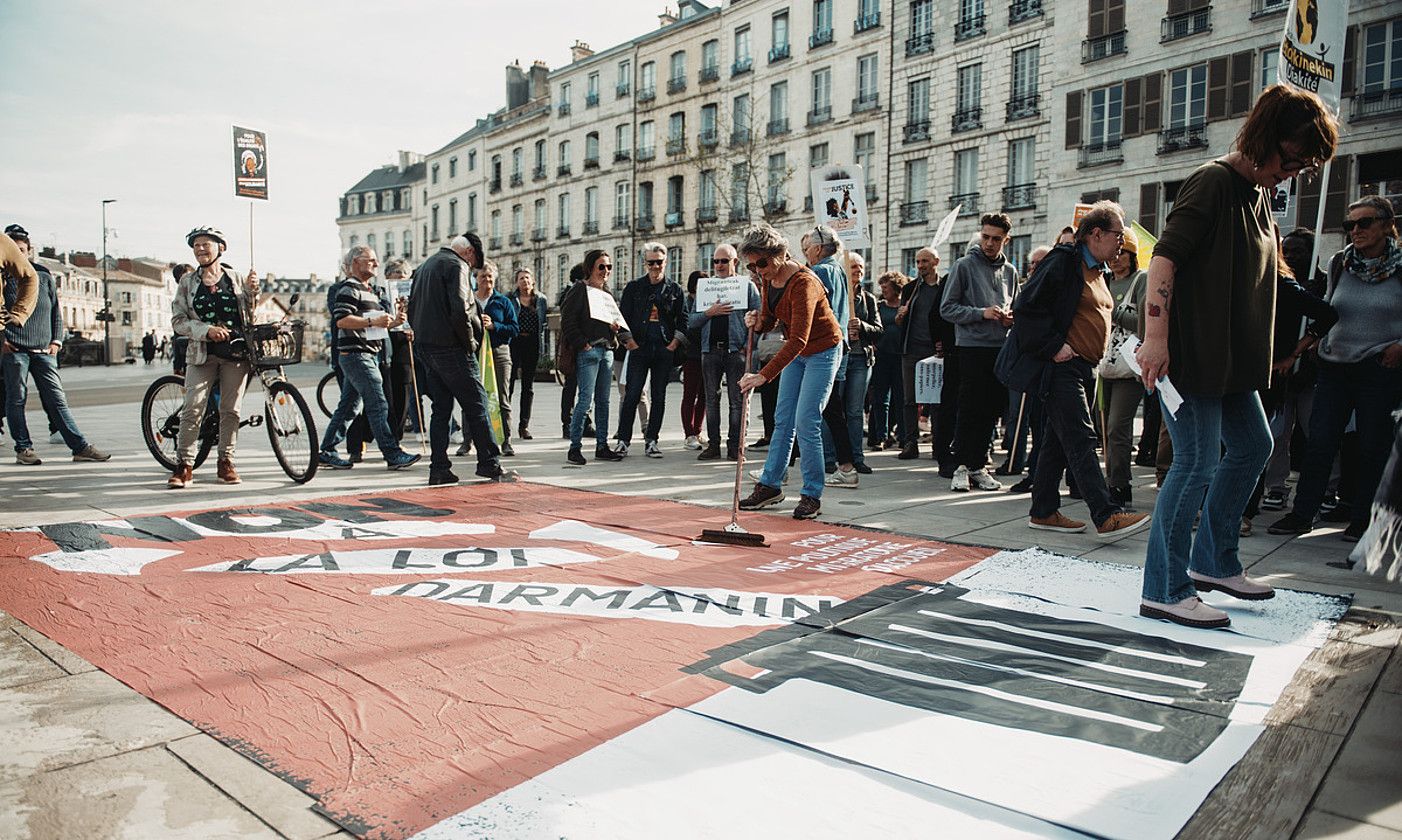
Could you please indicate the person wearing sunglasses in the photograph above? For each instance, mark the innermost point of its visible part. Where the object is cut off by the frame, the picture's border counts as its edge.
(655, 309)
(1209, 312)
(592, 340)
(1360, 368)
(794, 297)
(723, 338)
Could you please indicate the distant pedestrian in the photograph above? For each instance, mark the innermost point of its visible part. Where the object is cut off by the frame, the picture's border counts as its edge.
(655, 310)
(148, 347)
(591, 341)
(533, 314)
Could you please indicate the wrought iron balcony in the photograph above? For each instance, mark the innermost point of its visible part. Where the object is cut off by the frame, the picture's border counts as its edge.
(591, 228)
(538, 174)
(676, 146)
(778, 53)
(967, 119)
(966, 202)
(564, 109)
(866, 102)
(777, 127)
(646, 153)
(864, 23)
(970, 27)
(495, 185)
(518, 239)
(644, 221)
(562, 171)
(742, 65)
(591, 162)
(820, 38)
(818, 116)
(1375, 104)
(1179, 138)
(1094, 49)
(1020, 197)
(1024, 105)
(563, 232)
(676, 84)
(916, 131)
(647, 94)
(709, 138)
(494, 243)
(538, 234)
(776, 206)
(620, 155)
(517, 179)
(1021, 10)
(740, 213)
(591, 100)
(706, 213)
(1097, 154)
(620, 222)
(673, 219)
(740, 136)
(622, 89)
(709, 73)
(1182, 25)
(915, 212)
(922, 43)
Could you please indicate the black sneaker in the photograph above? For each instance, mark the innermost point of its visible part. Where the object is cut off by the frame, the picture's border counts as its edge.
(506, 448)
(710, 453)
(863, 468)
(762, 497)
(732, 454)
(1340, 512)
(575, 456)
(807, 508)
(760, 444)
(909, 452)
(1354, 532)
(1024, 486)
(603, 453)
(436, 477)
(1290, 523)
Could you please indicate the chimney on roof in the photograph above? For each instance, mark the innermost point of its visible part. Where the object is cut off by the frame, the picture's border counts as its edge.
(124, 264)
(667, 18)
(540, 80)
(84, 259)
(517, 88)
(580, 51)
(408, 159)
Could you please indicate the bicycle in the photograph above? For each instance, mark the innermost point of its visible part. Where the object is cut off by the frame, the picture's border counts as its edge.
(288, 419)
(328, 393)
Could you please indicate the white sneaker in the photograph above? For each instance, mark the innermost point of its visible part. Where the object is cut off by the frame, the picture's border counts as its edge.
(56, 438)
(650, 449)
(842, 478)
(755, 474)
(981, 480)
(960, 482)
(693, 443)
(620, 447)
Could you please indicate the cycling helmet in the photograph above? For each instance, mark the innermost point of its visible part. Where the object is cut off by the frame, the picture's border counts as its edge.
(213, 233)
(17, 232)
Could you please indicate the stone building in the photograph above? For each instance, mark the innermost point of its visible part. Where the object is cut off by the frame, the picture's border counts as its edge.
(378, 210)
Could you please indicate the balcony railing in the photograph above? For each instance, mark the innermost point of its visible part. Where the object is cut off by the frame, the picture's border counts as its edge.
(1177, 139)
(562, 171)
(871, 191)
(777, 127)
(494, 243)
(647, 94)
(970, 27)
(676, 146)
(517, 179)
(673, 219)
(917, 131)
(646, 153)
(643, 222)
(495, 185)
(740, 137)
(915, 212)
(778, 53)
(538, 174)
(776, 206)
(1097, 154)
(621, 155)
(622, 89)
(742, 65)
(820, 38)
(866, 102)
(709, 138)
(740, 213)
(709, 73)
(864, 23)
(818, 116)
(676, 84)
(563, 232)
(1024, 105)
(564, 109)
(538, 234)
(1182, 25)
(706, 213)
(1261, 8)
(620, 222)
(591, 162)
(966, 202)
(922, 43)
(591, 100)
(1375, 104)
(967, 119)
(518, 239)
(1094, 49)
(1021, 10)
(1020, 197)
(591, 228)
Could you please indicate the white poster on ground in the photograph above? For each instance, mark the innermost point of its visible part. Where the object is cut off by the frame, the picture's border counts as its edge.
(839, 201)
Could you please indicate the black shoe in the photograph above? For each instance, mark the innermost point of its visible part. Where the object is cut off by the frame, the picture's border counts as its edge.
(807, 508)
(575, 456)
(876, 445)
(710, 453)
(1006, 468)
(863, 468)
(1122, 496)
(436, 477)
(1024, 486)
(762, 443)
(1354, 532)
(948, 470)
(1290, 523)
(762, 497)
(524, 434)
(357, 457)
(1341, 512)
(909, 452)
(1146, 459)
(732, 454)
(465, 448)
(603, 453)
(506, 448)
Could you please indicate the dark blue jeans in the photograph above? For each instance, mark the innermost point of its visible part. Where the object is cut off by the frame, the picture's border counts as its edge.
(44, 368)
(887, 398)
(1068, 443)
(1368, 391)
(652, 361)
(453, 377)
(361, 381)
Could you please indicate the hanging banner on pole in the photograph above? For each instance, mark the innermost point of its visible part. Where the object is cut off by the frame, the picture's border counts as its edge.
(839, 201)
(1312, 49)
(250, 163)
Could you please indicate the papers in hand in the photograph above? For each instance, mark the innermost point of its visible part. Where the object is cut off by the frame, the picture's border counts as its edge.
(1171, 398)
(375, 333)
(602, 307)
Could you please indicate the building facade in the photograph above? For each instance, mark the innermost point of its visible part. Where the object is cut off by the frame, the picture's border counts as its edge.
(379, 210)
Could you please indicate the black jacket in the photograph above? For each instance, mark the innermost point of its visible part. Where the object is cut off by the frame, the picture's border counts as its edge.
(671, 309)
(1042, 316)
(941, 331)
(578, 330)
(437, 312)
(542, 314)
(869, 324)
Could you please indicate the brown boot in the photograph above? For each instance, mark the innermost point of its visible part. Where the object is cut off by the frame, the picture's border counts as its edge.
(182, 476)
(227, 474)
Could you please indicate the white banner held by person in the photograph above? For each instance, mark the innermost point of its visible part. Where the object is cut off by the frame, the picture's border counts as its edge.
(731, 290)
(839, 201)
(1312, 49)
(602, 307)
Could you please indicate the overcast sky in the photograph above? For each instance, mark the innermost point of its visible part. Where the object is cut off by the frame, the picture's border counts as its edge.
(134, 101)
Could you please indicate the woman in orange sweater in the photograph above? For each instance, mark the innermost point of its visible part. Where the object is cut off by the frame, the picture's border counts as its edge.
(793, 296)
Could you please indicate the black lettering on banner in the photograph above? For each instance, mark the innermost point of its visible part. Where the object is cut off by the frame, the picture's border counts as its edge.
(369, 510)
(479, 592)
(616, 597)
(87, 536)
(530, 593)
(649, 603)
(323, 562)
(286, 519)
(932, 650)
(488, 555)
(350, 532)
(401, 561)
(408, 589)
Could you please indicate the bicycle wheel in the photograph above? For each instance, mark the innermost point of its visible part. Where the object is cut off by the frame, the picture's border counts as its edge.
(160, 418)
(328, 393)
(291, 431)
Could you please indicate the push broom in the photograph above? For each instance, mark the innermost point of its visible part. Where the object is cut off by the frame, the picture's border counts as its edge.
(733, 534)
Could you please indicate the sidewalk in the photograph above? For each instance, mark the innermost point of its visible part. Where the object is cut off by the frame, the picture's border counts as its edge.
(93, 758)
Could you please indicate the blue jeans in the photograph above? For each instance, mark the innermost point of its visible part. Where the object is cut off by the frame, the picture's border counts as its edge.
(1369, 392)
(887, 398)
(452, 377)
(44, 368)
(1203, 476)
(803, 391)
(362, 381)
(651, 361)
(854, 401)
(593, 368)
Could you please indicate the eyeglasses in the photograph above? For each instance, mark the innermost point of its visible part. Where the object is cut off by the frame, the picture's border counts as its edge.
(762, 262)
(603, 267)
(1362, 224)
(719, 261)
(656, 262)
(1295, 166)
(1119, 234)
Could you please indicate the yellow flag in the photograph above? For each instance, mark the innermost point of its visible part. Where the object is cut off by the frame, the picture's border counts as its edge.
(489, 381)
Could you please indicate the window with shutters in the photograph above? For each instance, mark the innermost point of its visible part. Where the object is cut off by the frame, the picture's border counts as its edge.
(1104, 126)
(915, 210)
(1378, 91)
(1148, 212)
(966, 195)
(1186, 127)
(1023, 100)
(1105, 30)
(1270, 61)
(1184, 18)
(917, 126)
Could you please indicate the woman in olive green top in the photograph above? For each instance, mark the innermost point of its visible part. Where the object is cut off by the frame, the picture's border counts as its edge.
(1209, 311)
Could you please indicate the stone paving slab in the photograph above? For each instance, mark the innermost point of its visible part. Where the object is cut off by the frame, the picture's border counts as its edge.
(1319, 825)
(1363, 783)
(70, 662)
(21, 663)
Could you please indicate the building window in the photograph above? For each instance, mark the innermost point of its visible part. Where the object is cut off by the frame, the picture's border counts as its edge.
(822, 96)
(971, 20)
(676, 80)
(645, 204)
(433, 174)
(739, 192)
(968, 110)
(915, 210)
(538, 224)
(1106, 115)
(740, 119)
(647, 85)
(472, 160)
(369, 243)
(1023, 99)
(625, 76)
(495, 229)
(710, 60)
(704, 252)
(647, 140)
(966, 181)
(1017, 250)
(1382, 59)
(922, 27)
(676, 133)
(674, 264)
(518, 224)
(564, 98)
(779, 108)
(1021, 187)
(817, 155)
(743, 61)
(779, 36)
(707, 197)
(517, 164)
(867, 80)
(622, 204)
(822, 24)
(472, 211)
(564, 214)
(452, 215)
(918, 97)
(1187, 96)
(1105, 30)
(452, 167)
(564, 269)
(1269, 60)
(675, 187)
(591, 210)
(591, 150)
(591, 91)
(778, 177)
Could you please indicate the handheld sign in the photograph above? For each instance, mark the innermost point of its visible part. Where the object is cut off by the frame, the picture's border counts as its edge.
(1312, 49)
(946, 227)
(250, 163)
(602, 307)
(929, 380)
(839, 201)
(731, 290)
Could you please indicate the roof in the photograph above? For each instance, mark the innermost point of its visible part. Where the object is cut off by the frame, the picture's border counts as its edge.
(479, 128)
(390, 176)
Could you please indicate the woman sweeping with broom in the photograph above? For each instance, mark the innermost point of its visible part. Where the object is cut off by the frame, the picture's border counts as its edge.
(793, 296)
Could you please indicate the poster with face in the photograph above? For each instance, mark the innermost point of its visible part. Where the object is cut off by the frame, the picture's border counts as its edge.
(839, 201)
(250, 163)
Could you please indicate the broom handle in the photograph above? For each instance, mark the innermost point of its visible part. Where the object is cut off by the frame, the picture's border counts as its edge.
(418, 402)
(744, 423)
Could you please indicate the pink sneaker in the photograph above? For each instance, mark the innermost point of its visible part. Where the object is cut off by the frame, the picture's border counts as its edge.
(1190, 612)
(1237, 586)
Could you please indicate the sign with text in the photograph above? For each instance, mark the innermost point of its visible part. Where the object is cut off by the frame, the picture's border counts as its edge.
(732, 290)
(1079, 213)
(250, 163)
(839, 201)
(1312, 48)
(929, 380)
(602, 307)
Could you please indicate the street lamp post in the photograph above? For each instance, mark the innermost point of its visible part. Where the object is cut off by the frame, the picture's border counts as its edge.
(106, 295)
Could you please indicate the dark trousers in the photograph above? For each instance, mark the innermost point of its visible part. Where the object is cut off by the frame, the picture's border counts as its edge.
(835, 418)
(453, 378)
(887, 398)
(768, 402)
(693, 397)
(652, 361)
(731, 366)
(1153, 422)
(1068, 443)
(525, 358)
(982, 399)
